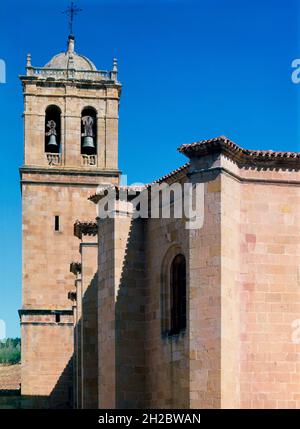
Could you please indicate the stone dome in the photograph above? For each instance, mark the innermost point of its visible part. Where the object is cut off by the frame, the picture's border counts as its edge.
(70, 59)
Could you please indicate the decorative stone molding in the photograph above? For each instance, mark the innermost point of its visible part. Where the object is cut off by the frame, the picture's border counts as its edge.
(88, 160)
(38, 312)
(85, 228)
(53, 159)
(126, 193)
(69, 172)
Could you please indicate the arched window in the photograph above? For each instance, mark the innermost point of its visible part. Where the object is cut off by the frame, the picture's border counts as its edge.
(52, 129)
(89, 131)
(177, 295)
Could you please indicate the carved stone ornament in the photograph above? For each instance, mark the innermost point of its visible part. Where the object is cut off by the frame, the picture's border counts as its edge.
(52, 128)
(88, 126)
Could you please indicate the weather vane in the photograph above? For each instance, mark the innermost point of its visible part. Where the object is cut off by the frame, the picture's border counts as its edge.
(71, 11)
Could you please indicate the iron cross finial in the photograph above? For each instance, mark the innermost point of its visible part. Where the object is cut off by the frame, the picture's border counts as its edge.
(71, 11)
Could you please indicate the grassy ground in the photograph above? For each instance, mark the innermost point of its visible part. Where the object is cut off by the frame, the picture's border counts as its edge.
(10, 377)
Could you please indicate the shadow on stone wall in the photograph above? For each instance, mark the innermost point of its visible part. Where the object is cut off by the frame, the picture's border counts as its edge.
(130, 323)
(60, 397)
(138, 332)
(62, 393)
(90, 344)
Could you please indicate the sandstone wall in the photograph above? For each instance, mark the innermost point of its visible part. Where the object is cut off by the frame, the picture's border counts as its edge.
(47, 255)
(167, 364)
(121, 313)
(89, 323)
(269, 293)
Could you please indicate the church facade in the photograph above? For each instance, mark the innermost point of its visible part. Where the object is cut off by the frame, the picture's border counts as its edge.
(126, 311)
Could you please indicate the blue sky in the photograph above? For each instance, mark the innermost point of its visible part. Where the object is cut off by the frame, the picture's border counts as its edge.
(190, 70)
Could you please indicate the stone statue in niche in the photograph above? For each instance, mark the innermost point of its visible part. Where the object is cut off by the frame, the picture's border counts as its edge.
(52, 128)
(87, 126)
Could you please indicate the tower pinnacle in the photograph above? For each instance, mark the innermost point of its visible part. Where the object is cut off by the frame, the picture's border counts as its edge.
(71, 41)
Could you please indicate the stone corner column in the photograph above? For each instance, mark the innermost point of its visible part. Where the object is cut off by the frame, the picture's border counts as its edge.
(113, 236)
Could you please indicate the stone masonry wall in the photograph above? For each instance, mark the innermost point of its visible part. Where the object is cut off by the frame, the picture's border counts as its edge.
(167, 357)
(47, 352)
(270, 296)
(89, 322)
(47, 255)
(121, 312)
(230, 291)
(205, 299)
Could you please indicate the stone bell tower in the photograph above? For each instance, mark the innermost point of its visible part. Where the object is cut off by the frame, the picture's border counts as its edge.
(70, 147)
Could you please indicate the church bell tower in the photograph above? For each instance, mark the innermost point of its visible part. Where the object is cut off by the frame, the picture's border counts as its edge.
(70, 147)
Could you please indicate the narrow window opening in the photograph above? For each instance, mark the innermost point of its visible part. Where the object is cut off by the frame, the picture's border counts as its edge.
(178, 295)
(57, 318)
(56, 223)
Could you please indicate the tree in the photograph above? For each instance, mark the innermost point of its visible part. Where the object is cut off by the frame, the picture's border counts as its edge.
(10, 351)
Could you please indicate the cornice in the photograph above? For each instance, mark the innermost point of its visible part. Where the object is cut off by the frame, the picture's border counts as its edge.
(85, 228)
(243, 157)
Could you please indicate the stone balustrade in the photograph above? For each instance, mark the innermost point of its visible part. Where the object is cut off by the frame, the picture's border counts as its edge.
(94, 75)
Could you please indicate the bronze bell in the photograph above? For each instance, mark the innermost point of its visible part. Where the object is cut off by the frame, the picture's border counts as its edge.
(88, 142)
(52, 133)
(88, 135)
(52, 140)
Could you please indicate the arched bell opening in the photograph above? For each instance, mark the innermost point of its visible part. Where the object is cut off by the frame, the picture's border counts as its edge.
(52, 129)
(89, 131)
